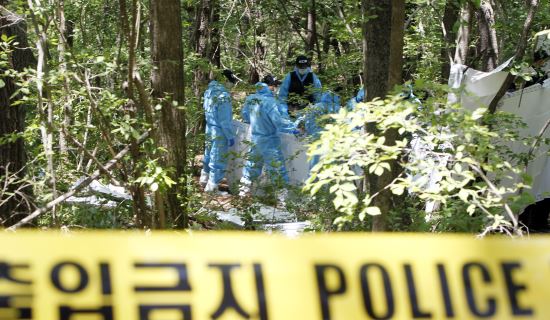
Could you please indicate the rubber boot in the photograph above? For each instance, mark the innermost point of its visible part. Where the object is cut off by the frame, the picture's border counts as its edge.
(203, 180)
(211, 187)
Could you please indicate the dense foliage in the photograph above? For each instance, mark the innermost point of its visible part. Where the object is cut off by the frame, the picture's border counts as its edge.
(82, 109)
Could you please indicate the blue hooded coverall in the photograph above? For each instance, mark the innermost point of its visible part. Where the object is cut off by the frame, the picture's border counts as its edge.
(330, 103)
(219, 130)
(285, 86)
(261, 111)
(355, 100)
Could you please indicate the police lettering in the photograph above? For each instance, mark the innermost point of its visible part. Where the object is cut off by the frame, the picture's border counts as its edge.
(16, 301)
(474, 276)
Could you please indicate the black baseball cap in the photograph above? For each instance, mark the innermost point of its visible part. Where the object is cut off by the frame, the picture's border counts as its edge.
(302, 61)
(270, 80)
(230, 76)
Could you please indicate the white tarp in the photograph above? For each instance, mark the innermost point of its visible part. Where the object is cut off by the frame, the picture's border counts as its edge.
(294, 150)
(532, 106)
(481, 87)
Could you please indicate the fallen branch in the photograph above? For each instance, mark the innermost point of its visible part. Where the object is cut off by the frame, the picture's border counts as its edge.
(84, 183)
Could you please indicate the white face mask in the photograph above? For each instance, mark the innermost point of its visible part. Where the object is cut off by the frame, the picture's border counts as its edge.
(302, 71)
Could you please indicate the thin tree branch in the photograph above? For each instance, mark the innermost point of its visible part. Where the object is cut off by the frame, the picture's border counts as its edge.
(520, 51)
(84, 183)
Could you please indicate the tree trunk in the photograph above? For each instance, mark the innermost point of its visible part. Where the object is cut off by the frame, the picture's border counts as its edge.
(488, 44)
(168, 85)
(450, 17)
(214, 54)
(45, 103)
(61, 48)
(130, 31)
(463, 36)
(255, 16)
(206, 40)
(12, 121)
(311, 37)
(383, 61)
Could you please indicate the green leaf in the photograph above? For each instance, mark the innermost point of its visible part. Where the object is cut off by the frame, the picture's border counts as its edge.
(379, 171)
(2, 83)
(338, 201)
(348, 187)
(463, 195)
(478, 113)
(398, 190)
(373, 211)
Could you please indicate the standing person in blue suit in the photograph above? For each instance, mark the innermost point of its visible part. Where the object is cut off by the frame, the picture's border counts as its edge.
(330, 104)
(260, 110)
(274, 84)
(300, 87)
(220, 134)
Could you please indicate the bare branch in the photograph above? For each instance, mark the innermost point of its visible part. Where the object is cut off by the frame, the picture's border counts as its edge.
(84, 183)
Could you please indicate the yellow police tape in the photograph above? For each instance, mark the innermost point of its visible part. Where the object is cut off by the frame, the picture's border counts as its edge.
(126, 276)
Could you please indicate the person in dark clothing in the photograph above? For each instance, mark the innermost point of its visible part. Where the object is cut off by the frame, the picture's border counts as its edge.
(540, 58)
(535, 216)
(300, 87)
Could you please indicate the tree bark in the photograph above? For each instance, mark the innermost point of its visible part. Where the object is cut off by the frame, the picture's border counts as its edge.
(450, 17)
(206, 40)
(258, 29)
(463, 36)
(45, 103)
(383, 61)
(214, 54)
(12, 121)
(488, 43)
(168, 86)
(311, 37)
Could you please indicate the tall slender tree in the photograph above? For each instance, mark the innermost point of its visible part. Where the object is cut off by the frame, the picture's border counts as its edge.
(383, 32)
(450, 17)
(12, 122)
(463, 34)
(168, 87)
(488, 43)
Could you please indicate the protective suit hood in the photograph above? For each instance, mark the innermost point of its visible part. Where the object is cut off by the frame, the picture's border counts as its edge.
(263, 89)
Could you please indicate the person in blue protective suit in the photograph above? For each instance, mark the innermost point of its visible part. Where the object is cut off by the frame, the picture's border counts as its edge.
(260, 110)
(355, 100)
(273, 84)
(300, 87)
(330, 104)
(220, 134)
